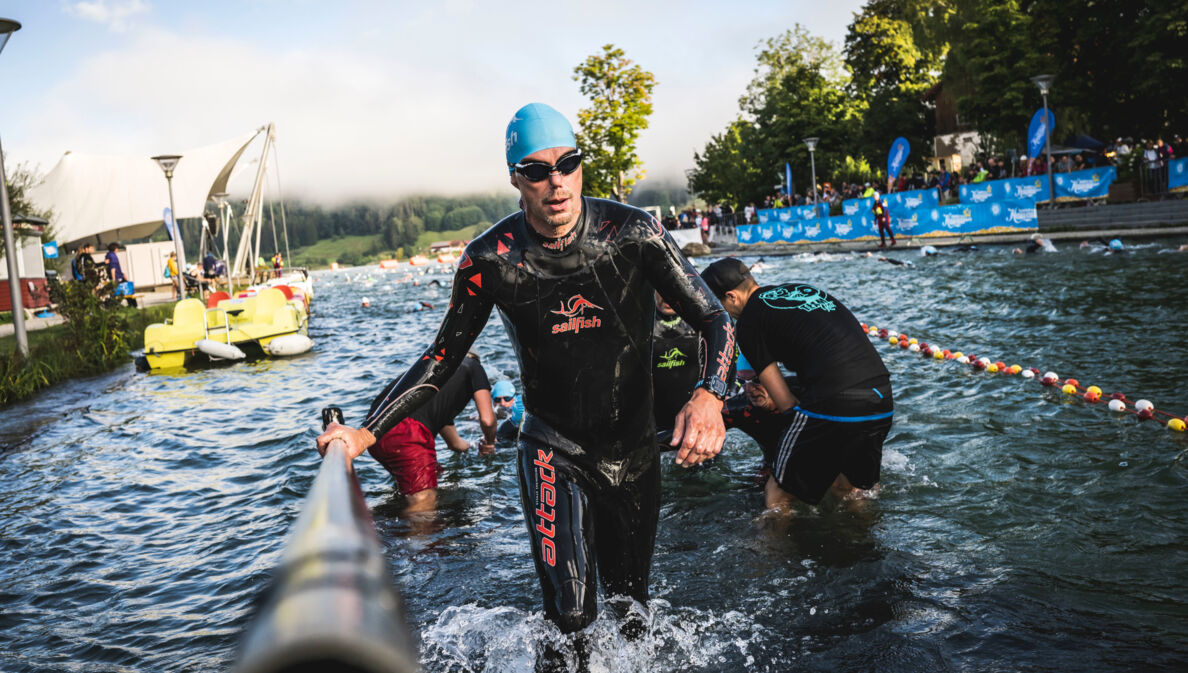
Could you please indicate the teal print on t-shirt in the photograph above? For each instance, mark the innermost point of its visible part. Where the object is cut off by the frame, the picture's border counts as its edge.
(803, 297)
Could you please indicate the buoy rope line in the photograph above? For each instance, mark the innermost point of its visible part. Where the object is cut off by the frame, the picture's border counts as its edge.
(1118, 402)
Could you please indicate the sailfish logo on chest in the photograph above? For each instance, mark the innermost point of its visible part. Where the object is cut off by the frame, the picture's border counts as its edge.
(575, 310)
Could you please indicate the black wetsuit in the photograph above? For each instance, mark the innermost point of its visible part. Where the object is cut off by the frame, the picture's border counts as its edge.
(579, 310)
(676, 368)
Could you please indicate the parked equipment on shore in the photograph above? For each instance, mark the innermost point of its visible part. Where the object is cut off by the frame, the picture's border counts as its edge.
(249, 322)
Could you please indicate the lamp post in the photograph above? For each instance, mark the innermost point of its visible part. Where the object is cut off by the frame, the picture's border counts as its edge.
(811, 143)
(1044, 82)
(7, 28)
(168, 162)
(224, 224)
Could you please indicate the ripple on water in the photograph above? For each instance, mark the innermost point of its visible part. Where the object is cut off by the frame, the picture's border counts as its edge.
(1014, 529)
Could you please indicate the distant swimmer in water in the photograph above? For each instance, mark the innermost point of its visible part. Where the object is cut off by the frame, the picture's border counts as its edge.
(1038, 244)
(893, 261)
(573, 278)
(929, 251)
(834, 441)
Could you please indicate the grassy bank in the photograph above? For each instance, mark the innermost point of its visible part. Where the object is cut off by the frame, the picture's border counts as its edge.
(361, 250)
(55, 353)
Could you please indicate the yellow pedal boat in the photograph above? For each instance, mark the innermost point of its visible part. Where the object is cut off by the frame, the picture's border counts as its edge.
(248, 323)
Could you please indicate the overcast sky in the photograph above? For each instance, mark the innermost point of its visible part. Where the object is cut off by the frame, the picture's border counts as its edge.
(370, 99)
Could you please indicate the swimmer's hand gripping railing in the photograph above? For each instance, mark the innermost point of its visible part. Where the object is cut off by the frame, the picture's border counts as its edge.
(332, 605)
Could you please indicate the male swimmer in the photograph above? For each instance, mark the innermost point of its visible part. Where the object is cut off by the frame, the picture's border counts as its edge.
(408, 451)
(573, 279)
(838, 424)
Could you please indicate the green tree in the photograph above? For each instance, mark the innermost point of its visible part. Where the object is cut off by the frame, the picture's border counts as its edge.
(1121, 67)
(620, 95)
(459, 218)
(989, 67)
(799, 90)
(891, 72)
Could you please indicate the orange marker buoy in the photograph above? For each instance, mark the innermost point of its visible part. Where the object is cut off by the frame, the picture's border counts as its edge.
(1014, 369)
(1072, 382)
(948, 354)
(1091, 396)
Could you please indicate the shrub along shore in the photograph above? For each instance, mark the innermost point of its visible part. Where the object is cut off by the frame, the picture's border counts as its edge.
(95, 338)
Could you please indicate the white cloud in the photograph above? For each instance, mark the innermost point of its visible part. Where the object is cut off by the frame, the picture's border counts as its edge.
(114, 14)
(406, 101)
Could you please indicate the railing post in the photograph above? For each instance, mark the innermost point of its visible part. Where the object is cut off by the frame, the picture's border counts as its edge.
(332, 605)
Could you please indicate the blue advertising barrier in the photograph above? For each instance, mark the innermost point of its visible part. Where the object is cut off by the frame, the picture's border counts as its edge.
(1177, 175)
(851, 207)
(981, 192)
(1034, 188)
(795, 213)
(1093, 183)
(911, 200)
(998, 217)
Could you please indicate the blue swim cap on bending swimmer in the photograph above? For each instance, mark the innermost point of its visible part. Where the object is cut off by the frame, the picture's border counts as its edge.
(536, 127)
(743, 365)
(503, 389)
(1115, 244)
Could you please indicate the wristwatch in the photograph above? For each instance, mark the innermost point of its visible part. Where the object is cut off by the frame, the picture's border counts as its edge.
(717, 387)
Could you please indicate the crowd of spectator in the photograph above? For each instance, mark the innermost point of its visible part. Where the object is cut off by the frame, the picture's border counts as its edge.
(1148, 159)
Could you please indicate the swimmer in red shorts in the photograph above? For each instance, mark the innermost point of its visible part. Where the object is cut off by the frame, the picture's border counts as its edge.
(407, 451)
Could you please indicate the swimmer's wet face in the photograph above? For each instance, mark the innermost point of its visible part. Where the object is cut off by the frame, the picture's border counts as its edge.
(551, 205)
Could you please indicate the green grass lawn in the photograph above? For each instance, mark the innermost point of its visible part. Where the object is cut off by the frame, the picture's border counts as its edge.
(366, 249)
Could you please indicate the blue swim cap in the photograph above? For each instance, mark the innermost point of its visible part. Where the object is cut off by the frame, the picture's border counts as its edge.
(743, 364)
(536, 127)
(1115, 244)
(503, 388)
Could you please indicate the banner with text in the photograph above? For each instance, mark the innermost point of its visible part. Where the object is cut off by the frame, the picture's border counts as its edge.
(1177, 175)
(1093, 183)
(998, 217)
(911, 200)
(851, 207)
(793, 214)
(1033, 188)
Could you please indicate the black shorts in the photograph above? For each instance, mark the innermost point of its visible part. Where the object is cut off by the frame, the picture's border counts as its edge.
(843, 435)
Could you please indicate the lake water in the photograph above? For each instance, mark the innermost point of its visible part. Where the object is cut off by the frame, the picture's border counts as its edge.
(1016, 528)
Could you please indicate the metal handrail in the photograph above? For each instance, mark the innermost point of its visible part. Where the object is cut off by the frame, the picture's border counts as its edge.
(332, 605)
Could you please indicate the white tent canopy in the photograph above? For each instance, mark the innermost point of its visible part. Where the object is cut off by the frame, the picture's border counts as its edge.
(126, 197)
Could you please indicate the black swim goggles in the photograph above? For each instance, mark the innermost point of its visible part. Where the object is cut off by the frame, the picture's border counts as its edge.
(535, 171)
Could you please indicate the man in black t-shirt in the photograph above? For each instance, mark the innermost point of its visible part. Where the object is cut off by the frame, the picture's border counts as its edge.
(408, 451)
(834, 438)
